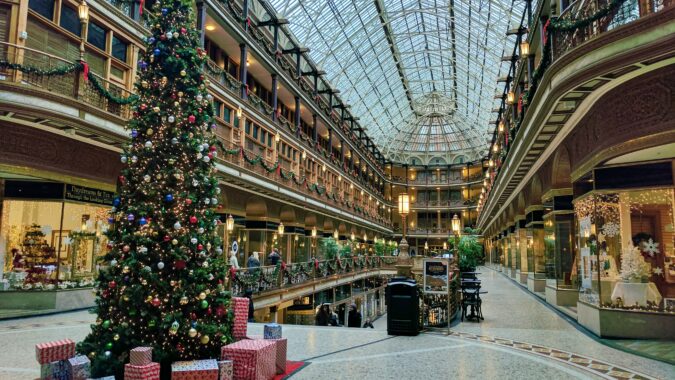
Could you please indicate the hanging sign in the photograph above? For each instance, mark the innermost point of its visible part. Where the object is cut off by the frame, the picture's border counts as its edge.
(235, 247)
(88, 195)
(436, 276)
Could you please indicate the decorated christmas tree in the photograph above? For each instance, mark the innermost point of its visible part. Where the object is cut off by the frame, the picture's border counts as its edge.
(163, 284)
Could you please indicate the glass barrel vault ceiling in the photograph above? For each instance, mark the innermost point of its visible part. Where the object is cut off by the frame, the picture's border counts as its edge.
(395, 61)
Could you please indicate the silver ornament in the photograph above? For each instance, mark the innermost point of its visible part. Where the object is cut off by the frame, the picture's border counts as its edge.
(176, 226)
(160, 265)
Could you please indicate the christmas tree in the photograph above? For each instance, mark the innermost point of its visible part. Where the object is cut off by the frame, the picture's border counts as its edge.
(633, 266)
(163, 285)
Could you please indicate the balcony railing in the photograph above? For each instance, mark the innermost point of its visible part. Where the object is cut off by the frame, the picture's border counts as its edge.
(269, 278)
(71, 85)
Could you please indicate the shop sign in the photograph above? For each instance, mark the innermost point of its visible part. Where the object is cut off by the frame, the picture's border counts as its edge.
(88, 195)
(235, 247)
(436, 276)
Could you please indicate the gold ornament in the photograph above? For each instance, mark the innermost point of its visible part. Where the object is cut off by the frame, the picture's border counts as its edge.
(174, 241)
(202, 295)
(183, 73)
(155, 109)
(149, 132)
(180, 94)
(116, 337)
(183, 300)
(208, 291)
(205, 339)
(192, 333)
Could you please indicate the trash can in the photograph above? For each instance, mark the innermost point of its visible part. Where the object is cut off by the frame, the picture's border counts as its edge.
(403, 307)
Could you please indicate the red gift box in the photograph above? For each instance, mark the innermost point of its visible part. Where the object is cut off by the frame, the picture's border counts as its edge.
(282, 348)
(54, 351)
(141, 372)
(240, 306)
(195, 370)
(140, 356)
(253, 359)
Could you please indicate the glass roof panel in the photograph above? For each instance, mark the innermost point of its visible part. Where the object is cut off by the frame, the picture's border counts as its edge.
(441, 51)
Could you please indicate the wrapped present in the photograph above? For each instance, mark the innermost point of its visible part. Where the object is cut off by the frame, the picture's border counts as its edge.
(252, 359)
(102, 378)
(195, 370)
(56, 370)
(282, 348)
(272, 331)
(79, 367)
(225, 369)
(240, 307)
(141, 372)
(140, 356)
(54, 351)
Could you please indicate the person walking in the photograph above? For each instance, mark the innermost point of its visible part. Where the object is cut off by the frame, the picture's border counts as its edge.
(249, 294)
(354, 318)
(368, 323)
(323, 315)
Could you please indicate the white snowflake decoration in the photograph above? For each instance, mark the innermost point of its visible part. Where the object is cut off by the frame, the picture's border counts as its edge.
(650, 247)
(657, 271)
(610, 229)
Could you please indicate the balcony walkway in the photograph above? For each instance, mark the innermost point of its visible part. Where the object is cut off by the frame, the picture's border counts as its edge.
(471, 351)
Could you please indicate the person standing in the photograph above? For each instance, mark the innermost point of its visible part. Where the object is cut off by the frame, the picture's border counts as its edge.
(234, 263)
(322, 316)
(354, 318)
(253, 262)
(274, 256)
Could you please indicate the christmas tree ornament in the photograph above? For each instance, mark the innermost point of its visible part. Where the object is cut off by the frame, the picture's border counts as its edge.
(204, 304)
(160, 265)
(202, 296)
(177, 226)
(174, 242)
(183, 300)
(168, 198)
(123, 159)
(204, 339)
(134, 159)
(106, 324)
(192, 333)
(131, 217)
(171, 119)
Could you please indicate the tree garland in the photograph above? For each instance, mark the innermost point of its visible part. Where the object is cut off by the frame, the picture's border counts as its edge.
(106, 94)
(566, 25)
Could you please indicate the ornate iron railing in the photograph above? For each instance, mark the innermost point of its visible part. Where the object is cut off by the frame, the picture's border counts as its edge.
(268, 278)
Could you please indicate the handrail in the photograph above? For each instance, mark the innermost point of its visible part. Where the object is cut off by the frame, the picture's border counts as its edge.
(270, 278)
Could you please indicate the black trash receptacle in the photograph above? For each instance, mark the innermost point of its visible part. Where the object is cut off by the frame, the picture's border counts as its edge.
(403, 307)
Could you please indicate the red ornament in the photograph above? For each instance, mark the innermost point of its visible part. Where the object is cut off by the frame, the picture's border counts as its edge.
(183, 30)
(121, 179)
(209, 311)
(191, 118)
(193, 316)
(143, 106)
(179, 264)
(167, 238)
(210, 155)
(112, 284)
(180, 347)
(220, 311)
(213, 148)
(193, 219)
(126, 248)
(156, 302)
(200, 247)
(188, 201)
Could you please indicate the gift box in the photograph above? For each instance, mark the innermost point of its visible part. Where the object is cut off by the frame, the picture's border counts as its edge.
(282, 348)
(79, 367)
(225, 369)
(195, 370)
(54, 351)
(102, 378)
(240, 307)
(272, 331)
(141, 372)
(252, 359)
(140, 356)
(56, 370)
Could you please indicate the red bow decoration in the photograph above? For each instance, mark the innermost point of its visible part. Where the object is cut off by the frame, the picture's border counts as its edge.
(241, 152)
(85, 70)
(545, 30)
(248, 21)
(283, 265)
(233, 272)
(140, 8)
(278, 169)
(316, 264)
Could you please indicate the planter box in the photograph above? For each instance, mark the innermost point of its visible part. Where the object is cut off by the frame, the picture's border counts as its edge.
(57, 300)
(614, 323)
(561, 297)
(536, 285)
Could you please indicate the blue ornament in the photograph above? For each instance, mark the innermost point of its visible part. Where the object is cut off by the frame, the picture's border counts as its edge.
(168, 198)
(143, 65)
(131, 217)
(110, 220)
(151, 40)
(156, 52)
(134, 133)
(164, 11)
(142, 221)
(116, 201)
(194, 324)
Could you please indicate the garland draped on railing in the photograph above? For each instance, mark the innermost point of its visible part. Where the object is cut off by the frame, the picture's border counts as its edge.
(75, 67)
(568, 25)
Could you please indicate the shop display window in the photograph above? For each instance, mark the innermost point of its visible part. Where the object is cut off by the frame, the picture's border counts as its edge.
(535, 250)
(51, 244)
(561, 270)
(626, 243)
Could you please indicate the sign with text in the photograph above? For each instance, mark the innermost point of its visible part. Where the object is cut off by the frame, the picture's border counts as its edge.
(88, 195)
(436, 276)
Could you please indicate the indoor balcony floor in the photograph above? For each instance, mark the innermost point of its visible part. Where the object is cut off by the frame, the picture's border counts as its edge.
(520, 338)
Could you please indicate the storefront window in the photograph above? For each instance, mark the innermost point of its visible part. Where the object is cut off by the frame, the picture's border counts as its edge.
(626, 241)
(50, 244)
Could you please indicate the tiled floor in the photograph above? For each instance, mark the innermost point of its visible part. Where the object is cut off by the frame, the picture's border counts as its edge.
(519, 339)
